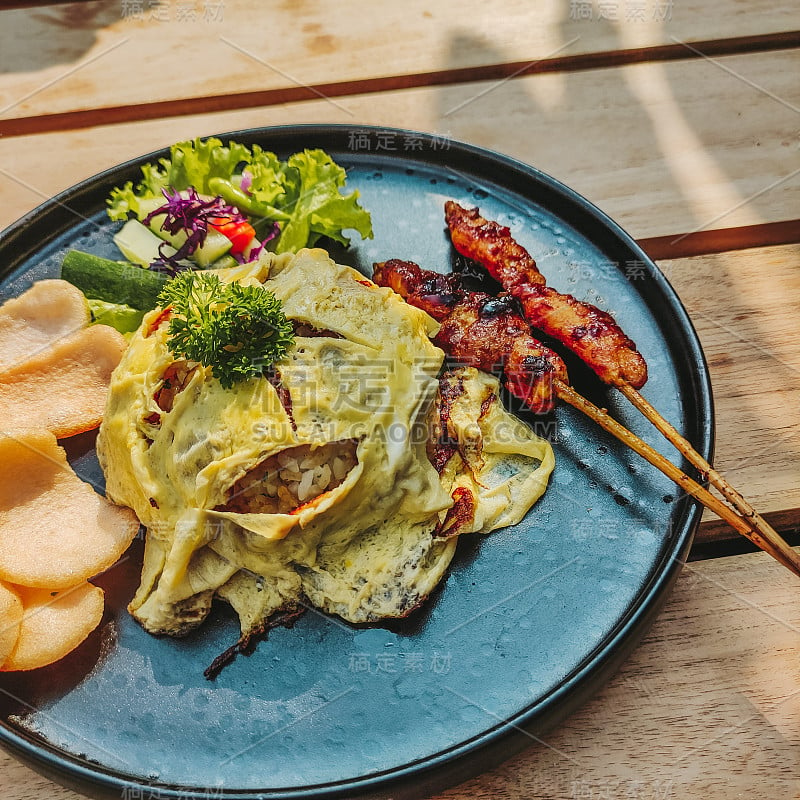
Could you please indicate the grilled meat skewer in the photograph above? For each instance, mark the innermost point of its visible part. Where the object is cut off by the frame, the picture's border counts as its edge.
(595, 337)
(480, 330)
(459, 313)
(590, 333)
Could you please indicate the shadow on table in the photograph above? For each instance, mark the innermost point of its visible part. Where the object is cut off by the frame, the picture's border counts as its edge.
(33, 39)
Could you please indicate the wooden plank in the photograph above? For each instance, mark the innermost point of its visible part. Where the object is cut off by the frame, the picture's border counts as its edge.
(707, 707)
(110, 53)
(663, 148)
(745, 306)
(228, 101)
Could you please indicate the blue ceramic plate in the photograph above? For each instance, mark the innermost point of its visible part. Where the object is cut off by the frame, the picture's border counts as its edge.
(530, 621)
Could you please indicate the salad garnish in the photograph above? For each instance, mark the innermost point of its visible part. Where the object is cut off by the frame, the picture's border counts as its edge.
(236, 330)
(301, 195)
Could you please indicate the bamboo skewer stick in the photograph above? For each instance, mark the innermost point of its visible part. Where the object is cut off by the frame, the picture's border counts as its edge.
(708, 473)
(776, 547)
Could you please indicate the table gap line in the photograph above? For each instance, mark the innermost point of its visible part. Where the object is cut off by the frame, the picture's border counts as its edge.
(786, 521)
(721, 240)
(15, 5)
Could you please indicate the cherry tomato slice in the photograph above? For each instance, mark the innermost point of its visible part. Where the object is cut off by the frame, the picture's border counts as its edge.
(239, 233)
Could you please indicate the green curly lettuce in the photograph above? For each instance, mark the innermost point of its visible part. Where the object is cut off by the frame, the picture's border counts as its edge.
(302, 194)
(316, 206)
(190, 163)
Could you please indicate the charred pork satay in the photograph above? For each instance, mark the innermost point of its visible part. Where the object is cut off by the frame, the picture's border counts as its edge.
(590, 333)
(480, 330)
(595, 337)
(491, 246)
(434, 293)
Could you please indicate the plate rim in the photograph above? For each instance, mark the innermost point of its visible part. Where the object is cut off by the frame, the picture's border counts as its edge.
(503, 739)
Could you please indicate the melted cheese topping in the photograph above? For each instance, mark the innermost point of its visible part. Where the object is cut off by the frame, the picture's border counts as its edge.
(366, 549)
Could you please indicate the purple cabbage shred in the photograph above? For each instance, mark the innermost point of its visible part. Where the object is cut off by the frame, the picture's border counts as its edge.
(191, 214)
(255, 252)
(247, 182)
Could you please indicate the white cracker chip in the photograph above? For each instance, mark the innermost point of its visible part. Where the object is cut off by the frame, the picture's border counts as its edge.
(53, 624)
(55, 530)
(39, 317)
(62, 389)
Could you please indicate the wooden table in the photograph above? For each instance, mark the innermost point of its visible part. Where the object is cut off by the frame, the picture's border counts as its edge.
(679, 119)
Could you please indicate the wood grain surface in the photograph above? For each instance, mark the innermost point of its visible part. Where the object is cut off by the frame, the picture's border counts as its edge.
(745, 306)
(121, 53)
(663, 148)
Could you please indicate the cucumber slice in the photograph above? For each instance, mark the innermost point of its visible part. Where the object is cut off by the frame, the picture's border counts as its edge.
(124, 318)
(113, 281)
(214, 248)
(226, 262)
(139, 244)
(149, 205)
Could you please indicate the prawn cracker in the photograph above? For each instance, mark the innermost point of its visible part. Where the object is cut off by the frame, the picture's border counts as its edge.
(55, 530)
(41, 316)
(63, 389)
(53, 624)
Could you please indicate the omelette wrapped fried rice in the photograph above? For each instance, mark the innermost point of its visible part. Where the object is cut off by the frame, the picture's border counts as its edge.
(313, 484)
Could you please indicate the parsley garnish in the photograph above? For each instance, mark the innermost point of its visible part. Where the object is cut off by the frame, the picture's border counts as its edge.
(236, 330)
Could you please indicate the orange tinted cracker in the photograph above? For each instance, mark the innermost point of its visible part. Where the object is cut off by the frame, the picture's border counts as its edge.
(55, 530)
(39, 317)
(53, 624)
(10, 620)
(62, 389)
